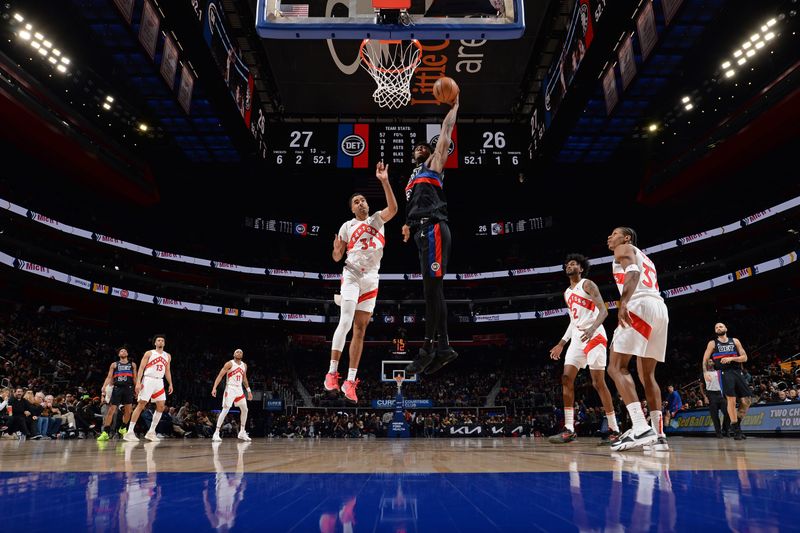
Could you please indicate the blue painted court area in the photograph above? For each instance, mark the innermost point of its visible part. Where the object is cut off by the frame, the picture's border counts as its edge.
(656, 500)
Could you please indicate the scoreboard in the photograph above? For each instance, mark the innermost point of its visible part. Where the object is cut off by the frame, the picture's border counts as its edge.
(363, 145)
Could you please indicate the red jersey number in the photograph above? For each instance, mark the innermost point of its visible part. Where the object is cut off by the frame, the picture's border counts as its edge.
(367, 243)
(649, 280)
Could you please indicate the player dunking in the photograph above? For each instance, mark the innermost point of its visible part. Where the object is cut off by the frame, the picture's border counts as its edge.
(728, 355)
(362, 239)
(587, 311)
(642, 333)
(123, 376)
(155, 366)
(236, 372)
(426, 219)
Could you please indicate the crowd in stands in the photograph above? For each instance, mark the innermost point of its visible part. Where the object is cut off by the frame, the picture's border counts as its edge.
(52, 369)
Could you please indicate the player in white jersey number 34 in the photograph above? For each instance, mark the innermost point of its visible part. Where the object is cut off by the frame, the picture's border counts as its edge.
(362, 238)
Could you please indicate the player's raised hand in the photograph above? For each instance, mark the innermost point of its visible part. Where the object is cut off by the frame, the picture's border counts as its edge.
(555, 352)
(339, 245)
(406, 232)
(382, 171)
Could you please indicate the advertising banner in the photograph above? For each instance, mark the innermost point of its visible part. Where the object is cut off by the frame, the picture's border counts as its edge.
(771, 418)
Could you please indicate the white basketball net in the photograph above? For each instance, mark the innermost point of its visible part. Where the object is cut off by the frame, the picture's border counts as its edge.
(391, 64)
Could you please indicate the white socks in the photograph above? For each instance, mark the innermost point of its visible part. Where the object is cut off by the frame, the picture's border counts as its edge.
(334, 366)
(657, 422)
(569, 418)
(351, 374)
(156, 419)
(637, 416)
(612, 422)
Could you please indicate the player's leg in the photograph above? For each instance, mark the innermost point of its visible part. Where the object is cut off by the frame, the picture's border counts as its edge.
(640, 433)
(160, 403)
(568, 393)
(356, 347)
(130, 435)
(647, 375)
(112, 408)
(429, 288)
(349, 300)
(226, 406)
(127, 410)
(600, 385)
(439, 255)
(242, 405)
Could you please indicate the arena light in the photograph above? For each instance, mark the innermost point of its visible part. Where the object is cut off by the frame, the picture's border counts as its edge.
(730, 73)
(750, 53)
(754, 37)
(25, 35)
(759, 45)
(36, 44)
(688, 107)
(56, 52)
(771, 22)
(652, 127)
(726, 64)
(106, 106)
(142, 127)
(42, 50)
(764, 28)
(769, 36)
(737, 53)
(65, 60)
(685, 100)
(742, 61)
(18, 17)
(61, 68)
(110, 99)
(38, 36)
(52, 60)
(746, 45)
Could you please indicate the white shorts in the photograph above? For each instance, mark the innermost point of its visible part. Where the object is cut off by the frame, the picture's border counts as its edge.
(361, 289)
(592, 353)
(647, 335)
(152, 390)
(231, 397)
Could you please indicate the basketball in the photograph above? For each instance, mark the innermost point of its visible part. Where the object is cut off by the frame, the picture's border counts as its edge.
(445, 90)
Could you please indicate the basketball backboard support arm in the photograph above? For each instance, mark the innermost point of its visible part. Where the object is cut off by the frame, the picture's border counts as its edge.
(277, 19)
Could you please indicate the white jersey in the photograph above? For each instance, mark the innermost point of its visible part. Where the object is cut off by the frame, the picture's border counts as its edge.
(157, 364)
(648, 279)
(582, 310)
(365, 241)
(235, 375)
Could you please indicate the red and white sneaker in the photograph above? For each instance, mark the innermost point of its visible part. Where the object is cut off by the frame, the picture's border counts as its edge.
(349, 390)
(332, 381)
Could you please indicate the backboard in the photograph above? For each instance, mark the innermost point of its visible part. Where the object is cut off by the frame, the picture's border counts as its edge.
(390, 368)
(358, 19)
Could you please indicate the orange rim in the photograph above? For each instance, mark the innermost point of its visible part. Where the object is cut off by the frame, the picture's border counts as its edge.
(366, 60)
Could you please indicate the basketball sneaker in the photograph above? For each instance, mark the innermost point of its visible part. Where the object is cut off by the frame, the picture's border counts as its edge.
(215, 437)
(130, 437)
(244, 436)
(442, 358)
(103, 437)
(563, 437)
(610, 439)
(631, 439)
(349, 390)
(332, 381)
(418, 365)
(151, 435)
(659, 445)
(122, 431)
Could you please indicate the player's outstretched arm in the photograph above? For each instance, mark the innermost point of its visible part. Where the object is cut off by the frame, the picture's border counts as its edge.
(109, 377)
(142, 366)
(247, 385)
(382, 173)
(439, 157)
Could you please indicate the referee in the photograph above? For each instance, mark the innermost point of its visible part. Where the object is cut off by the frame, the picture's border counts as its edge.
(728, 355)
(716, 402)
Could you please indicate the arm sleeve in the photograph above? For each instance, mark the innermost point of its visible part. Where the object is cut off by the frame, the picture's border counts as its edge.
(567, 334)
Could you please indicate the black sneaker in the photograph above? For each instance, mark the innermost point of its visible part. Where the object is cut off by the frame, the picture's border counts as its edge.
(563, 437)
(442, 358)
(738, 435)
(610, 439)
(423, 361)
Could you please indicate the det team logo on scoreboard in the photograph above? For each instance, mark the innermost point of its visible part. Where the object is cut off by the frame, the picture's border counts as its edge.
(353, 146)
(433, 131)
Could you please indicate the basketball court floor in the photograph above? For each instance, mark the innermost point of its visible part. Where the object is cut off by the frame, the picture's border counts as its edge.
(399, 485)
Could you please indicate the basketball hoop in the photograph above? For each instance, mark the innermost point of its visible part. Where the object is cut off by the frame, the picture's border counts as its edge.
(399, 378)
(391, 64)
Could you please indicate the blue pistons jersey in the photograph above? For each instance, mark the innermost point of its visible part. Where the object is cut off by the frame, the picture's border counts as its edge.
(425, 195)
